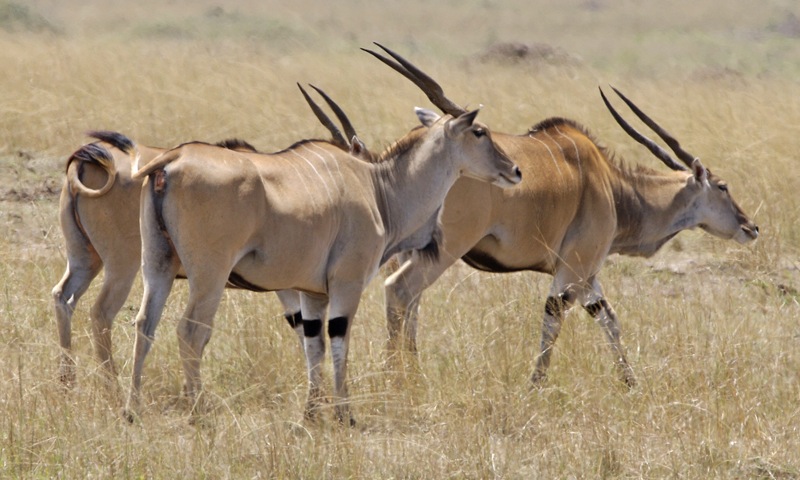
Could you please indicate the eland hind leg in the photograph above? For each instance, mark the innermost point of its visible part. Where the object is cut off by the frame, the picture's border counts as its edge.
(80, 272)
(85, 260)
(158, 280)
(117, 282)
(83, 265)
(195, 327)
(160, 265)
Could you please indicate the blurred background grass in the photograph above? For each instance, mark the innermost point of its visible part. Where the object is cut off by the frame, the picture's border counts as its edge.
(712, 328)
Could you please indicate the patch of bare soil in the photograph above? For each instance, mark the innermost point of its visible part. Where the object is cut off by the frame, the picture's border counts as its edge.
(781, 280)
(47, 189)
(30, 185)
(27, 176)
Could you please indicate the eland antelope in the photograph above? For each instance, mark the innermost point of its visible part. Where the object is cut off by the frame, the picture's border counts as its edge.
(311, 218)
(580, 207)
(99, 214)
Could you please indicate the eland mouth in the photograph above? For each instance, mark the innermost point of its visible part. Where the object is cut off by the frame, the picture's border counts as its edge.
(508, 181)
(748, 233)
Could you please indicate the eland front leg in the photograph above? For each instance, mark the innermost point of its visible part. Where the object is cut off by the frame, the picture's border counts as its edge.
(598, 307)
(314, 310)
(405, 286)
(590, 296)
(556, 305)
(344, 305)
(290, 299)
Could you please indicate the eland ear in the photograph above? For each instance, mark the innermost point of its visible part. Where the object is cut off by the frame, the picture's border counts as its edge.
(461, 123)
(700, 172)
(357, 147)
(427, 117)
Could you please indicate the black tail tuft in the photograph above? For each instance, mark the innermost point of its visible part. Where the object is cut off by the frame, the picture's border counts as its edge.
(92, 153)
(116, 139)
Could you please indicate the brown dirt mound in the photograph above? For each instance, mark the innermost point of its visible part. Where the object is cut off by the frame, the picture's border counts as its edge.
(789, 26)
(518, 52)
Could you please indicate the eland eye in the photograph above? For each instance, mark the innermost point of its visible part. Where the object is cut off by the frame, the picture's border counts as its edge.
(722, 187)
(479, 132)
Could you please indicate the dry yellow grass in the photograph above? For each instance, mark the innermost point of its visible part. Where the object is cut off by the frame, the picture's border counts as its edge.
(712, 328)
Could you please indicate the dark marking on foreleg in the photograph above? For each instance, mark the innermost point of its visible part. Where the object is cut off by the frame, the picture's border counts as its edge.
(312, 328)
(554, 306)
(607, 318)
(295, 319)
(337, 327)
(595, 308)
(554, 309)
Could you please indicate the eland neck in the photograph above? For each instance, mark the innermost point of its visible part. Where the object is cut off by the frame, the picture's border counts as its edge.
(651, 207)
(412, 179)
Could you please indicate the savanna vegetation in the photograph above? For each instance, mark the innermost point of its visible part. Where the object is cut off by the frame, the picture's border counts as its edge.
(712, 328)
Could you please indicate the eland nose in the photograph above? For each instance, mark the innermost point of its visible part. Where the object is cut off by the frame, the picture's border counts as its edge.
(518, 174)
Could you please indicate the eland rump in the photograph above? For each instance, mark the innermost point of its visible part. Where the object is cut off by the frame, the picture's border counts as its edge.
(311, 218)
(579, 208)
(99, 215)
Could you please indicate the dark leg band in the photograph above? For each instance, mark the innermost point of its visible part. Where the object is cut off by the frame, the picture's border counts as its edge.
(595, 308)
(294, 319)
(311, 328)
(337, 327)
(554, 306)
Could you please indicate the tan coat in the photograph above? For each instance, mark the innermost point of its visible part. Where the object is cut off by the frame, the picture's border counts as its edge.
(310, 218)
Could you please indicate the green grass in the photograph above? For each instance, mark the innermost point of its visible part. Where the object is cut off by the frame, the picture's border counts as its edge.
(711, 327)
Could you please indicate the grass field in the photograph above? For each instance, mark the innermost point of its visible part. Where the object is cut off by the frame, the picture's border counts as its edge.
(712, 328)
